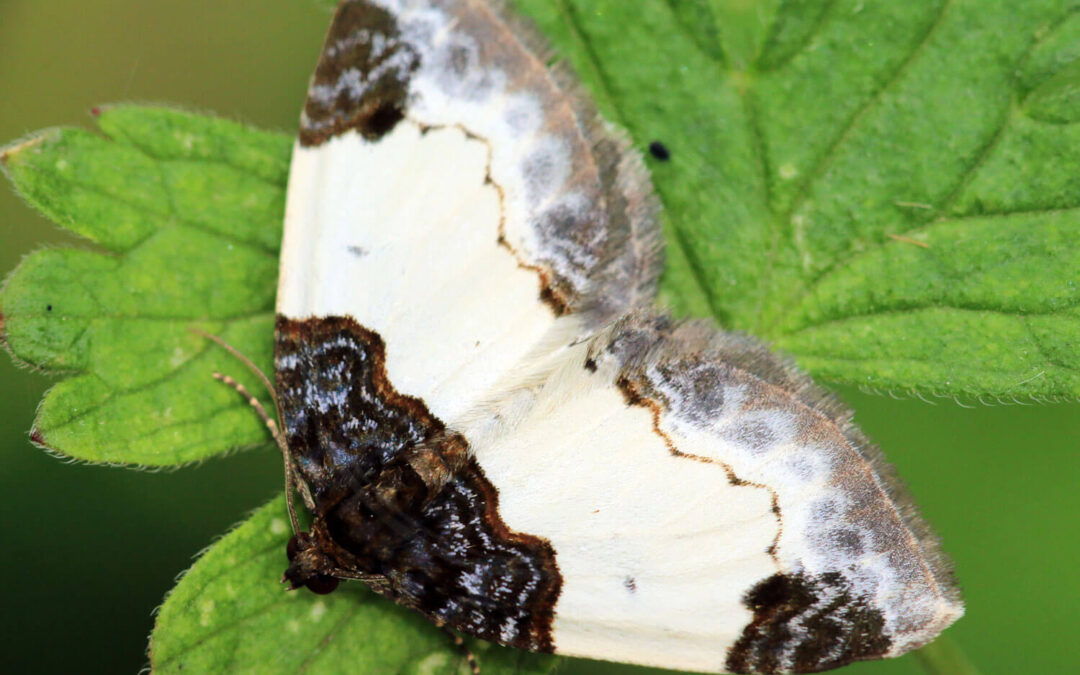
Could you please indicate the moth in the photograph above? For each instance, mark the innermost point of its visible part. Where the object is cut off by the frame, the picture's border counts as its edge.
(490, 423)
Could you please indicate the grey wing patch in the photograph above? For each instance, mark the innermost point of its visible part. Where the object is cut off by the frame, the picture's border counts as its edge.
(577, 204)
(629, 269)
(860, 574)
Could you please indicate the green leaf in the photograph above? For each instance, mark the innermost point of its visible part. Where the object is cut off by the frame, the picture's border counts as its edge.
(230, 614)
(885, 190)
(188, 211)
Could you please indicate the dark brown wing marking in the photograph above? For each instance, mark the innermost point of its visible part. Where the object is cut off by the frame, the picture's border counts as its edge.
(362, 79)
(833, 627)
(398, 496)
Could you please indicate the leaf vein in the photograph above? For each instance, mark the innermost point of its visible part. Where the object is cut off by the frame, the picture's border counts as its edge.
(978, 372)
(874, 99)
(770, 39)
(961, 217)
(694, 264)
(901, 311)
(218, 630)
(1037, 341)
(690, 35)
(253, 557)
(329, 637)
(981, 156)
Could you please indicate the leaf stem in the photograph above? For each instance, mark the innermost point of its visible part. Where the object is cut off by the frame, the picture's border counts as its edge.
(944, 657)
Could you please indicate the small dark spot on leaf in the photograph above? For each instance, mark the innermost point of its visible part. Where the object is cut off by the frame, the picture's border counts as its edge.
(659, 151)
(48, 308)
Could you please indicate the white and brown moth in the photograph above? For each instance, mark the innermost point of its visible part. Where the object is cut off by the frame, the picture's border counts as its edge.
(491, 425)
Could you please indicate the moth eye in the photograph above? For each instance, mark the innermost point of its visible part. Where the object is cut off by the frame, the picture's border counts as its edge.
(322, 584)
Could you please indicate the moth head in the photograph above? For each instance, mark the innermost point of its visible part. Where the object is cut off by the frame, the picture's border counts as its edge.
(308, 565)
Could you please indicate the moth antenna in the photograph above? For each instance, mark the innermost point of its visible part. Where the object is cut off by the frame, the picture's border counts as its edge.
(275, 432)
(279, 439)
(244, 360)
(461, 647)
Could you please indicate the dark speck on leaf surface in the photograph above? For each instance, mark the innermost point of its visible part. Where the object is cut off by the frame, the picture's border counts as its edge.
(659, 151)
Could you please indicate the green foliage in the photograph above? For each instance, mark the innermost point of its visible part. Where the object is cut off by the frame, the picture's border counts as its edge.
(885, 190)
(188, 210)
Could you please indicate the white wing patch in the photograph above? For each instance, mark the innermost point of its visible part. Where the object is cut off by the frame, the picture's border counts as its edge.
(420, 208)
(656, 551)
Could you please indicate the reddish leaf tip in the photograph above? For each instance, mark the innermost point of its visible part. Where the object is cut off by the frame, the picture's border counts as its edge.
(37, 439)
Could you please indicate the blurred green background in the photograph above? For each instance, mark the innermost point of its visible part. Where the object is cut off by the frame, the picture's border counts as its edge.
(89, 552)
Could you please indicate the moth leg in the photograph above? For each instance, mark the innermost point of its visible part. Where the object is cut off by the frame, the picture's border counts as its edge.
(279, 439)
(459, 643)
(358, 576)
